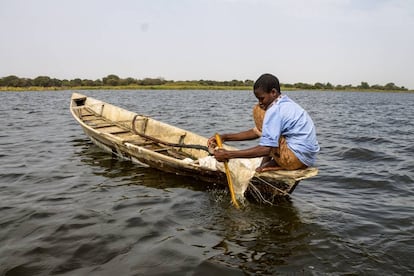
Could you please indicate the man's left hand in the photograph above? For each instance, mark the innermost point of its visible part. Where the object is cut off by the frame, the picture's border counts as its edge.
(221, 155)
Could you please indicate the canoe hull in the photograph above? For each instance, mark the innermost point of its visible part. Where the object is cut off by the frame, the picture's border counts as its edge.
(151, 143)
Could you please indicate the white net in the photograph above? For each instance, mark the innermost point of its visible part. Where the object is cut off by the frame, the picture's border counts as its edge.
(242, 170)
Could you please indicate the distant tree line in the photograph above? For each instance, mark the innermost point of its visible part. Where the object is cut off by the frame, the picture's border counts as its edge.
(329, 86)
(114, 80)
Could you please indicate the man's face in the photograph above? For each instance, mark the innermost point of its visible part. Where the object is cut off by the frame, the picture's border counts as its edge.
(265, 99)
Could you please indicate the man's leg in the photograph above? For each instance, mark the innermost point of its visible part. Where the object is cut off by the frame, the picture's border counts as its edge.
(282, 159)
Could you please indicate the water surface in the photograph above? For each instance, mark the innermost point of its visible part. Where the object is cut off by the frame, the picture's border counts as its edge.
(67, 208)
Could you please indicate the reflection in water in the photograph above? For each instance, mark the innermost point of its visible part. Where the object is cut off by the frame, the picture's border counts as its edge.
(111, 166)
(252, 239)
(257, 238)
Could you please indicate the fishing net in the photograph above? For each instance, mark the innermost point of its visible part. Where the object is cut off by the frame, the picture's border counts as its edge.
(242, 171)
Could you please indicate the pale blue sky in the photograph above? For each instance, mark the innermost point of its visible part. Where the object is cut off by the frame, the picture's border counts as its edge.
(337, 41)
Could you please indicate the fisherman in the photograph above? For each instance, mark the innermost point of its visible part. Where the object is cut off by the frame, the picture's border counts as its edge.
(286, 131)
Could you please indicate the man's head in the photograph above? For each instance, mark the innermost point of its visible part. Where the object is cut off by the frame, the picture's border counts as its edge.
(266, 89)
(267, 82)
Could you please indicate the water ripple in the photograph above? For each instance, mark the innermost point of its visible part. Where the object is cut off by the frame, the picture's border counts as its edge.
(69, 208)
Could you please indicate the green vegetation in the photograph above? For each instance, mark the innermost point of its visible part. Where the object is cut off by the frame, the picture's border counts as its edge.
(14, 83)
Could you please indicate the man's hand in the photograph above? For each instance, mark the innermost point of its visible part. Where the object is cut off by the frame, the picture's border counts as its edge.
(212, 143)
(221, 155)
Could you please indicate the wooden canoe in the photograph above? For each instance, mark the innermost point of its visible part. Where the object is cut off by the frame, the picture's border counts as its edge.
(152, 143)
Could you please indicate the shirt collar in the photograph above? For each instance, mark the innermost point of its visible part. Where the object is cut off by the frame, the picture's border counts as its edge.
(274, 102)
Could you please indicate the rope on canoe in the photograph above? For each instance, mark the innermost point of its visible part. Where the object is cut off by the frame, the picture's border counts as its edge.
(189, 146)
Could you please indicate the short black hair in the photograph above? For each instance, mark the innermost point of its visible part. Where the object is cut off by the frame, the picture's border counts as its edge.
(267, 82)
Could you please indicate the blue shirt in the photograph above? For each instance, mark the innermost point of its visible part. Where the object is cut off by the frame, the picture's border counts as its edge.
(290, 120)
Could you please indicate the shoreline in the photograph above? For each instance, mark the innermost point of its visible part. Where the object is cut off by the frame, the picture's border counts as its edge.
(180, 87)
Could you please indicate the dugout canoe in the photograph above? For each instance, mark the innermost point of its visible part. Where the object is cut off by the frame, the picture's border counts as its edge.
(152, 143)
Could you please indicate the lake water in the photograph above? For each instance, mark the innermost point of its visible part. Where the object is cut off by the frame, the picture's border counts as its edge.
(67, 208)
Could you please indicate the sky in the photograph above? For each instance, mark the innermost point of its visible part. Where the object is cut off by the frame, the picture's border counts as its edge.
(337, 41)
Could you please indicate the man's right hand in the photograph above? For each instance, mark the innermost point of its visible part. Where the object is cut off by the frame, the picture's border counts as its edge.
(212, 142)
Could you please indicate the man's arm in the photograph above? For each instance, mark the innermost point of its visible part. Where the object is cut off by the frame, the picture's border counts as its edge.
(257, 151)
(240, 136)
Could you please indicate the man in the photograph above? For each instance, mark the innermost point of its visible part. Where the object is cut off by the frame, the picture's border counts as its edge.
(287, 134)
